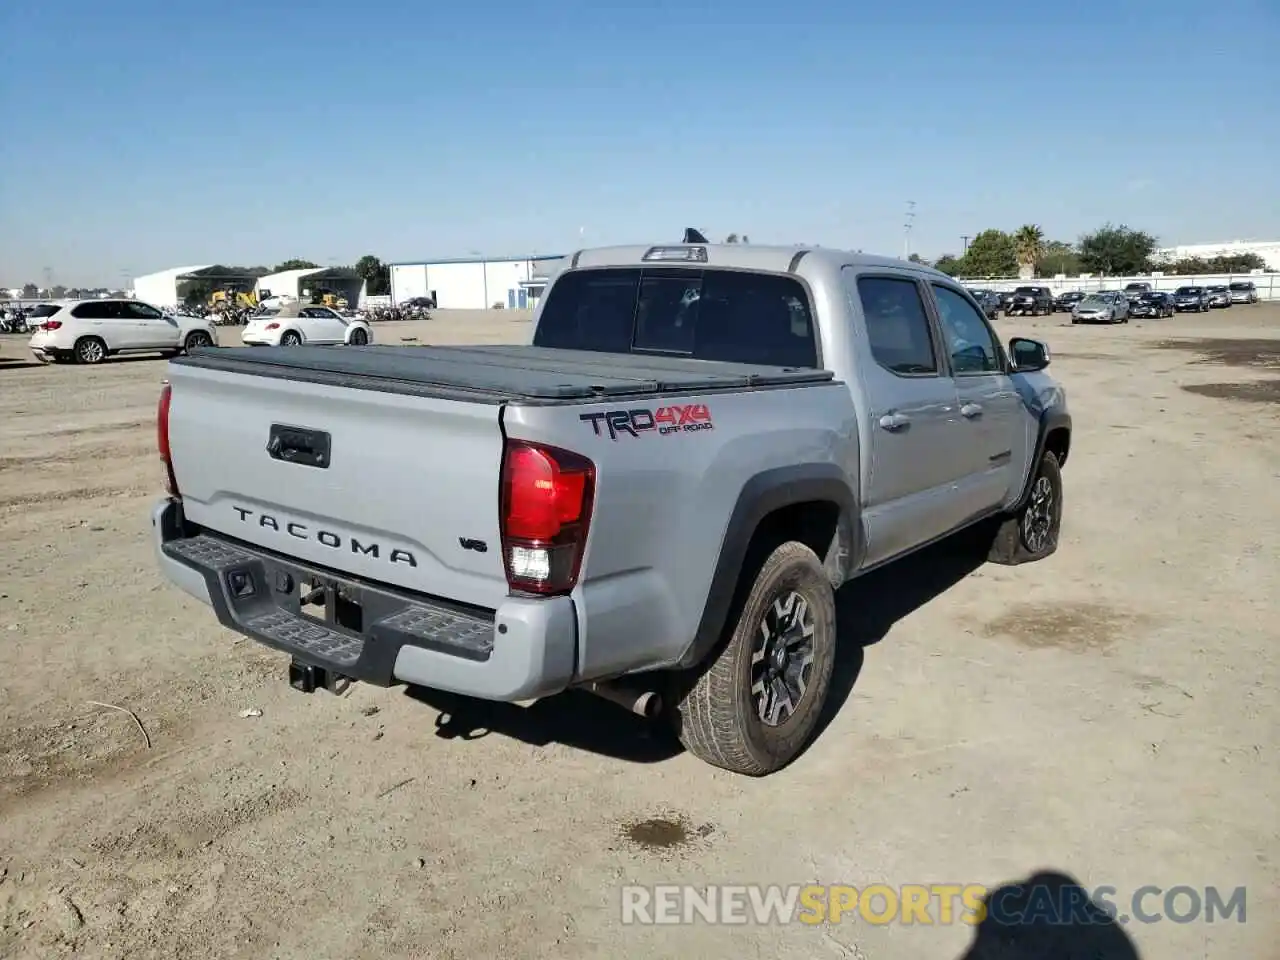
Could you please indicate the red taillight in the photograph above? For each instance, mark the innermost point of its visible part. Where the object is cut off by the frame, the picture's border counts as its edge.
(162, 440)
(272, 326)
(51, 325)
(547, 494)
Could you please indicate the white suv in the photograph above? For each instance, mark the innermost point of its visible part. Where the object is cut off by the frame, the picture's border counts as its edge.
(88, 331)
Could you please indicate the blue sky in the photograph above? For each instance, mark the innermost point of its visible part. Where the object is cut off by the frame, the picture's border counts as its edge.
(144, 134)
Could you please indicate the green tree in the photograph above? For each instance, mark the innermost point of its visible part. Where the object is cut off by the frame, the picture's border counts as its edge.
(1028, 247)
(916, 258)
(949, 264)
(1117, 251)
(1237, 263)
(1059, 257)
(375, 274)
(295, 265)
(991, 254)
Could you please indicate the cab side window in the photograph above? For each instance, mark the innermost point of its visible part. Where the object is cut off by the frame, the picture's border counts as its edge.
(897, 325)
(970, 342)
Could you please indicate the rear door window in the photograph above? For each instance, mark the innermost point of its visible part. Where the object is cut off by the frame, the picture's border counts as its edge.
(897, 325)
(724, 315)
(97, 310)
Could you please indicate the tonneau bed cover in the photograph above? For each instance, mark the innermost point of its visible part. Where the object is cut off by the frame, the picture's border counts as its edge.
(497, 374)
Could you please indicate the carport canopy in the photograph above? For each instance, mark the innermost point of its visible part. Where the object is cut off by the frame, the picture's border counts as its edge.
(220, 275)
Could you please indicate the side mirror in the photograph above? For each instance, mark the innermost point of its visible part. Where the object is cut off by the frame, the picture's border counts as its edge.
(1028, 355)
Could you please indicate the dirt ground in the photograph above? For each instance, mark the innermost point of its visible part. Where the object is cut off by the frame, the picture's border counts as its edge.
(1110, 714)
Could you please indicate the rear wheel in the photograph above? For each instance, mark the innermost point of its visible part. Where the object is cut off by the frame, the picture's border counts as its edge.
(90, 350)
(290, 339)
(755, 707)
(359, 337)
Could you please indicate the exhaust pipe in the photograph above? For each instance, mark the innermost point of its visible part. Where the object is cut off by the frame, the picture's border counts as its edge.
(643, 703)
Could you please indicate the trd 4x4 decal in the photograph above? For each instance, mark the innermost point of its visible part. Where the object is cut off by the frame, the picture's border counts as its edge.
(664, 420)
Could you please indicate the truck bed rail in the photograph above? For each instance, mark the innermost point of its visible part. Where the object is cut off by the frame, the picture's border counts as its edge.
(498, 374)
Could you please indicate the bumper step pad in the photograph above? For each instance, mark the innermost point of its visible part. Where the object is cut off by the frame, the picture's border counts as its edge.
(307, 637)
(391, 620)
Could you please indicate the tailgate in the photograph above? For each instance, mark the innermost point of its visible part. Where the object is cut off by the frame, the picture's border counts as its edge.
(405, 482)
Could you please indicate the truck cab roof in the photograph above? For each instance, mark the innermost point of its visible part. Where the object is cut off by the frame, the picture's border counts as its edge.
(737, 256)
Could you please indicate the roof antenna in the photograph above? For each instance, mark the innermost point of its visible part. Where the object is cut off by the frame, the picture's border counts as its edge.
(693, 236)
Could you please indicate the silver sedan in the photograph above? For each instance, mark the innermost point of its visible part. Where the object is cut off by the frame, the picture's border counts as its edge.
(1101, 308)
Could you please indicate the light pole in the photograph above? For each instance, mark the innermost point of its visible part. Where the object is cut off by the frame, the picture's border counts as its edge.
(484, 274)
(965, 241)
(910, 222)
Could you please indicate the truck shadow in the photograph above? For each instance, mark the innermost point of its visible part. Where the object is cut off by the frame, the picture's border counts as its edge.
(575, 719)
(1048, 916)
(866, 610)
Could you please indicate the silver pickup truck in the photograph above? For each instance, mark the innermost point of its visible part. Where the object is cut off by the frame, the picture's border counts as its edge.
(654, 500)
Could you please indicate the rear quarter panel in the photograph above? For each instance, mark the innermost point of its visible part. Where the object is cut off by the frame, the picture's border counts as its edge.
(663, 504)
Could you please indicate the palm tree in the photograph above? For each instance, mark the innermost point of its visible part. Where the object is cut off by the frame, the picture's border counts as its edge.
(1028, 244)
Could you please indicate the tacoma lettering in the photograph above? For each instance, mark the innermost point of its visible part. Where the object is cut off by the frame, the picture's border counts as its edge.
(326, 538)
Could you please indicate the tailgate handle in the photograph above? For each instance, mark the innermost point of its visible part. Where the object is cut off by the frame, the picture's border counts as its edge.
(299, 445)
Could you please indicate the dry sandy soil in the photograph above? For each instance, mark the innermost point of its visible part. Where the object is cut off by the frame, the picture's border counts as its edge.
(1111, 714)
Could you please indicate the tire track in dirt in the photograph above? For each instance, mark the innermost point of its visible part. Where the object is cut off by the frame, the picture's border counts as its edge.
(122, 450)
(66, 495)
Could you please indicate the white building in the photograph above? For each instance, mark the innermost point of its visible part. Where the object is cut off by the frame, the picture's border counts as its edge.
(515, 283)
(1268, 250)
(306, 282)
(161, 289)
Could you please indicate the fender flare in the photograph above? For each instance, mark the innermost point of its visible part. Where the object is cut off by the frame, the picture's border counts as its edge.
(1052, 419)
(760, 496)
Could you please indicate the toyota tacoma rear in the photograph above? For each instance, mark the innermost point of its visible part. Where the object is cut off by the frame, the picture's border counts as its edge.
(654, 501)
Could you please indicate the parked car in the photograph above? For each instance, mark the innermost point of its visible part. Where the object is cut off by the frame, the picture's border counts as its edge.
(1006, 298)
(1191, 298)
(295, 324)
(483, 519)
(1136, 290)
(1033, 301)
(989, 301)
(1104, 307)
(1152, 306)
(89, 331)
(1066, 303)
(1243, 291)
(1219, 297)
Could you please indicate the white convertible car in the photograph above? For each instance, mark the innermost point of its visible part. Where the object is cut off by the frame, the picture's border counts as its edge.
(89, 331)
(297, 323)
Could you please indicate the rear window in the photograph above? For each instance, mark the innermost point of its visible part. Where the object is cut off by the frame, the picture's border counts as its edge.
(1242, 286)
(726, 315)
(1188, 291)
(96, 310)
(43, 310)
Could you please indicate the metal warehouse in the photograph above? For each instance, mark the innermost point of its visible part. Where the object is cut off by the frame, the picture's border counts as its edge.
(161, 289)
(299, 284)
(515, 283)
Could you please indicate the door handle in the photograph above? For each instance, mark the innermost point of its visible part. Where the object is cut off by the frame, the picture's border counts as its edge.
(894, 421)
(971, 410)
